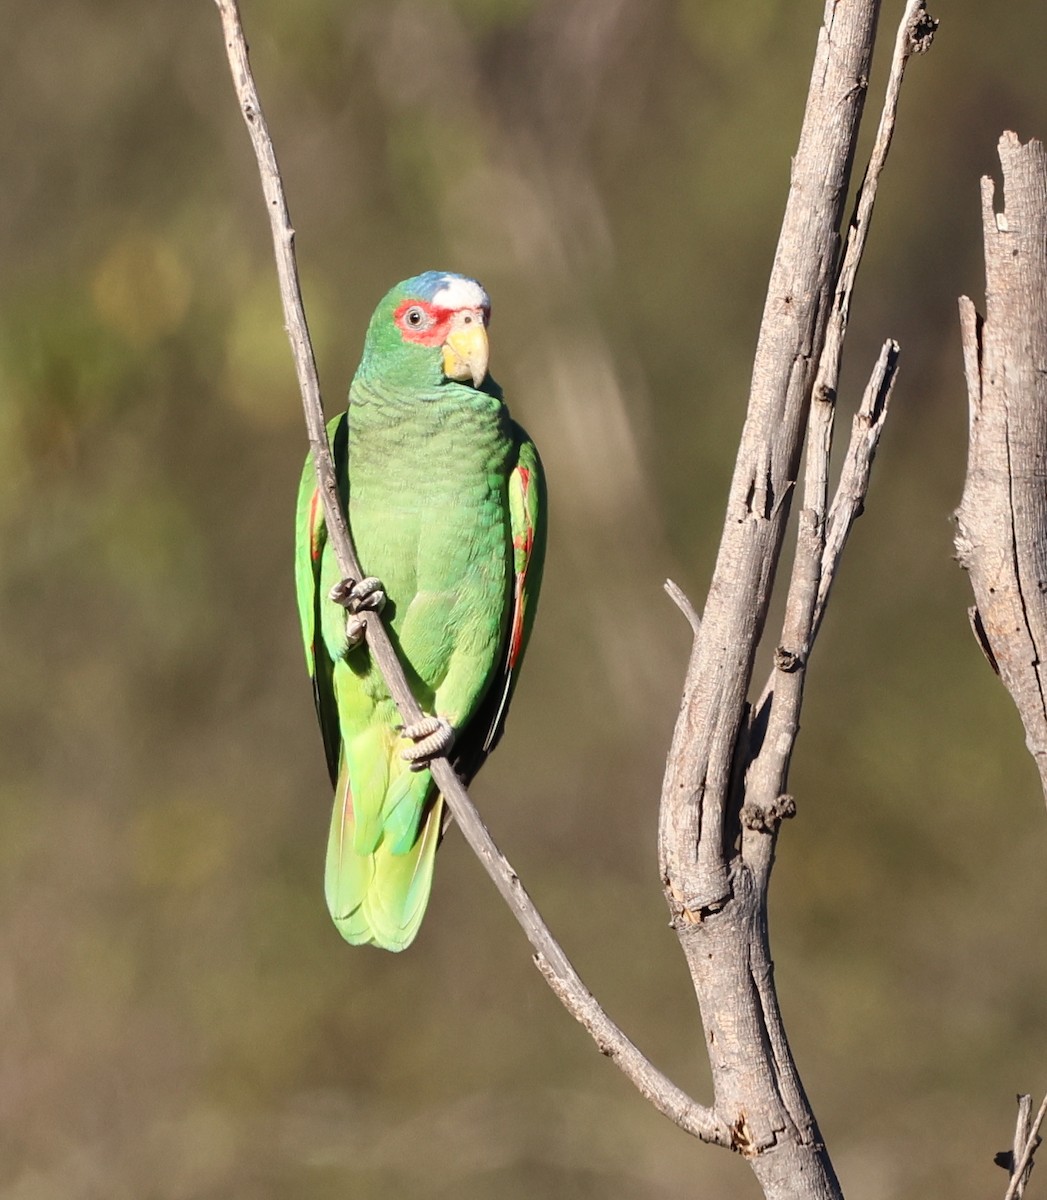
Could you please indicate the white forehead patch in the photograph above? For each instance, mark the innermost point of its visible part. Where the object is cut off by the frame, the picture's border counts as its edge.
(458, 292)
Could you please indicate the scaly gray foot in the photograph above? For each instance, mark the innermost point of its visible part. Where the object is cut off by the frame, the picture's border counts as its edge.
(367, 595)
(433, 738)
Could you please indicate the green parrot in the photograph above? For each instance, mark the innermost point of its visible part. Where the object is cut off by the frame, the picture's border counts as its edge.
(446, 505)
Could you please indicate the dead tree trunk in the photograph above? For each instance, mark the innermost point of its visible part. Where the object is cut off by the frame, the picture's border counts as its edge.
(1001, 537)
(1002, 518)
(724, 794)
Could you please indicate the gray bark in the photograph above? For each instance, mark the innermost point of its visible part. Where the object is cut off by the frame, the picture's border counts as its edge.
(724, 794)
(1002, 519)
(1001, 537)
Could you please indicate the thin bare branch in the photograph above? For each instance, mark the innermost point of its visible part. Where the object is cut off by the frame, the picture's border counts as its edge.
(698, 1120)
(1023, 1163)
(809, 585)
(1009, 1159)
(682, 601)
(849, 500)
(847, 506)
(915, 34)
(814, 566)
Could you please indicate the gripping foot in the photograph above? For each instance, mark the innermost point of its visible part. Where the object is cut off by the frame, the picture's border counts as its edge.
(367, 595)
(433, 737)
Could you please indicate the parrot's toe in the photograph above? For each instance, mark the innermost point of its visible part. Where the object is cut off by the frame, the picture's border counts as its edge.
(356, 596)
(433, 737)
(367, 595)
(355, 628)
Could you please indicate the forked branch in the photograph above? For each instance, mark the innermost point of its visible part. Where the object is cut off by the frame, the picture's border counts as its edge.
(724, 795)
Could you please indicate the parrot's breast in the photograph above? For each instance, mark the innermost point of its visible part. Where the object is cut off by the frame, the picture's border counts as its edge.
(429, 517)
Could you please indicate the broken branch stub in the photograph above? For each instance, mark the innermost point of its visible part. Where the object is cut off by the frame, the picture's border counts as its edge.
(1001, 537)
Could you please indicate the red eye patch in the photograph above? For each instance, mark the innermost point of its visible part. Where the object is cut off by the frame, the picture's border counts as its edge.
(423, 323)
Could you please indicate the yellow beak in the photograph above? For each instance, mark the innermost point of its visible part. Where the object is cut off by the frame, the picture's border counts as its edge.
(466, 352)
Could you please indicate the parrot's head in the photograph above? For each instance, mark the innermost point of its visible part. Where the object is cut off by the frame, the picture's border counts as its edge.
(428, 330)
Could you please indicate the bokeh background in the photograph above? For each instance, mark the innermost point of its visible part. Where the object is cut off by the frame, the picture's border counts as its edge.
(179, 1018)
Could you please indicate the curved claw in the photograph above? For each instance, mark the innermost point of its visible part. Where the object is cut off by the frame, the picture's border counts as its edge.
(367, 595)
(355, 628)
(357, 596)
(433, 738)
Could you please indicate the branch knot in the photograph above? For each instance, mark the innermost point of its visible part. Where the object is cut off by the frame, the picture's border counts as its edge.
(787, 661)
(921, 31)
(824, 394)
(765, 818)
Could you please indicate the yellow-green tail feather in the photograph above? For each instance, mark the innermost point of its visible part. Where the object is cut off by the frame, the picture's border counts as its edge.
(379, 896)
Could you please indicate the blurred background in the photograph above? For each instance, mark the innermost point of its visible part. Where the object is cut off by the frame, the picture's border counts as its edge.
(180, 1019)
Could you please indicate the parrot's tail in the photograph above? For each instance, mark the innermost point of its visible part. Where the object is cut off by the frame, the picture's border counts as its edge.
(378, 897)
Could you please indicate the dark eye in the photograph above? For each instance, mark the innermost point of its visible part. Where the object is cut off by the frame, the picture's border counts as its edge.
(414, 317)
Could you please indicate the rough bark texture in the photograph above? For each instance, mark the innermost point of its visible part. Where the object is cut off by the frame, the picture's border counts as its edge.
(1002, 518)
(798, 301)
(716, 849)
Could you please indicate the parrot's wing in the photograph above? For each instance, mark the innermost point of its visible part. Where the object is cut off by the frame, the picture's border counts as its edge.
(527, 523)
(310, 540)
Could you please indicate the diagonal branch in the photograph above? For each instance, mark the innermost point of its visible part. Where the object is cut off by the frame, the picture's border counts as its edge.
(849, 500)
(670, 1100)
(915, 35)
(815, 564)
(820, 545)
(683, 602)
(847, 506)
(1026, 1142)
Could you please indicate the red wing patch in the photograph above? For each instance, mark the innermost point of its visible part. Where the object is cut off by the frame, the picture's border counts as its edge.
(314, 526)
(523, 544)
(525, 541)
(516, 633)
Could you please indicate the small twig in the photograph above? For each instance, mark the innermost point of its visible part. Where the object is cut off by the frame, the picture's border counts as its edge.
(849, 500)
(696, 1119)
(915, 33)
(914, 36)
(1008, 1159)
(1022, 1129)
(1022, 1166)
(683, 602)
(815, 563)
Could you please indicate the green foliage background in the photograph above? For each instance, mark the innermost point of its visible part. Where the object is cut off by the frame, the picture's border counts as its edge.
(180, 1019)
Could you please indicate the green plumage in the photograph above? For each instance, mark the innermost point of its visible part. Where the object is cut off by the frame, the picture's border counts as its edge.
(445, 506)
